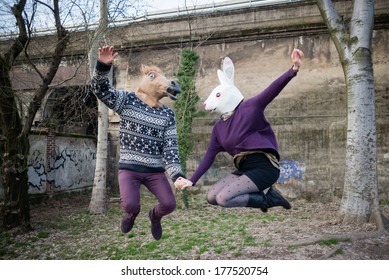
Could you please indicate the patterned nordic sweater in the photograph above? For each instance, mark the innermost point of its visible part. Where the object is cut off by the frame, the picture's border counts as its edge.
(148, 137)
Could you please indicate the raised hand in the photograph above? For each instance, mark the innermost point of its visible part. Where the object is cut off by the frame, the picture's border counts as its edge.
(296, 56)
(182, 183)
(107, 54)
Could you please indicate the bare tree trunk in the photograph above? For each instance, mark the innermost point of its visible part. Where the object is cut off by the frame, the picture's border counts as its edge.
(353, 42)
(14, 143)
(14, 148)
(98, 203)
(360, 184)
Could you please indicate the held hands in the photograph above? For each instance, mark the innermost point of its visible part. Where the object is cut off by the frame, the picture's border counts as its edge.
(107, 54)
(182, 183)
(296, 56)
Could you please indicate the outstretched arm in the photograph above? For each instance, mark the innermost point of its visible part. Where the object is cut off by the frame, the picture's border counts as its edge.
(213, 149)
(101, 86)
(260, 101)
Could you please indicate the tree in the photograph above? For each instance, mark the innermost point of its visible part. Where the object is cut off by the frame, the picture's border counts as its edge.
(98, 203)
(353, 40)
(15, 127)
(15, 120)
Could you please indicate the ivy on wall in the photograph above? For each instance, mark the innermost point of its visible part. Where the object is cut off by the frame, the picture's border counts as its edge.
(185, 108)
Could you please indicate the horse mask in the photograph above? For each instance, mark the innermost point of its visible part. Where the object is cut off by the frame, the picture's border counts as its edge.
(226, 96)
(155, 83)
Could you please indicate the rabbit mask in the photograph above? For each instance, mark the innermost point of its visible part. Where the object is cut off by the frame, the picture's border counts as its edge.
(226, 96)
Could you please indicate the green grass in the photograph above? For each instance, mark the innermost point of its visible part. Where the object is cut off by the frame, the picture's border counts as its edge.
(339, 252)
(384, 202)
(329, 242)
(200, 230)
(43, 234)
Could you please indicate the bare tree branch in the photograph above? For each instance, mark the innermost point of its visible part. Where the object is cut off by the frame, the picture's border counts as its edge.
(62, 41)
(19, 43)
(362, 24)
(47, 6)
(336, 26)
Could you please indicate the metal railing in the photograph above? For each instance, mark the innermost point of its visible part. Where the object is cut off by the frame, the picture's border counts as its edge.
(169, 13)
(212, 7)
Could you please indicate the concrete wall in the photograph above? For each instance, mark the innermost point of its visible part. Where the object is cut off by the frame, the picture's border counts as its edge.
(309, 116)
(71, 166)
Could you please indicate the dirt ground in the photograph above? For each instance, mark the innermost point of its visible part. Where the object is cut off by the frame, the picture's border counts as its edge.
(278, 239)
(321, 221)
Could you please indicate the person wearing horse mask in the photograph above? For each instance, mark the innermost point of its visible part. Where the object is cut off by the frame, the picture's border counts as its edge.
(244, 133)
(148, 139)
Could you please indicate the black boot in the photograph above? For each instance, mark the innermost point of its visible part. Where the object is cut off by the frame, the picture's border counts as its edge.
(257, 200)
(274, 198)
(156, 227)
(271, 199)
(128, 222)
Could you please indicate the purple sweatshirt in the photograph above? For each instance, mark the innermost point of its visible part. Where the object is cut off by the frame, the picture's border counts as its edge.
(247, 129)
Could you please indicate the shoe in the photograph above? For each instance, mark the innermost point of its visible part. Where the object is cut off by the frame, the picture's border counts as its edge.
(274, 198)
(127, 223)
(257, 200)
(156, 228)
(271, 199)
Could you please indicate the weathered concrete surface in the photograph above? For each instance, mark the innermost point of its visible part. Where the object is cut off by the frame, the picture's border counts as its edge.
(309, 116)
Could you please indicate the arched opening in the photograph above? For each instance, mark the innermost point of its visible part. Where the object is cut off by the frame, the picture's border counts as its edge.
(71, 110)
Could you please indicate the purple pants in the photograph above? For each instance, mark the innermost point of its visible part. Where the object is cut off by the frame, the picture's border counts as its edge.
(157, 183)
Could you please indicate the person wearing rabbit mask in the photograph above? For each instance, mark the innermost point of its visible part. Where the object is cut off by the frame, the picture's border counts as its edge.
(247, 136)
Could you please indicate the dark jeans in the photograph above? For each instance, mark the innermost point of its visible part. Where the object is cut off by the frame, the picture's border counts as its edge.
(157, 183)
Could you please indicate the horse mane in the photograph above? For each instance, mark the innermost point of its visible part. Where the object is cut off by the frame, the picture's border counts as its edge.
(145, 69)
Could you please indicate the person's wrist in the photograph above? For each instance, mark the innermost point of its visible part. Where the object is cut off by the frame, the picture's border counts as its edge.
(101, 66)
(104, 62)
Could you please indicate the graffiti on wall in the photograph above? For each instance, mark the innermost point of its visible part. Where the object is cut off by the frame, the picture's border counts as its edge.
(72, 165)
(36, 166)
(291, 172)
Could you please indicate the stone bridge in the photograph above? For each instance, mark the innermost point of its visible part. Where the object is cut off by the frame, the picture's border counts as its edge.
(309, 116)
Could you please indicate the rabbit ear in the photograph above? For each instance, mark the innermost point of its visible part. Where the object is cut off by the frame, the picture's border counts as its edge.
(223, 78)
(228, 69)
